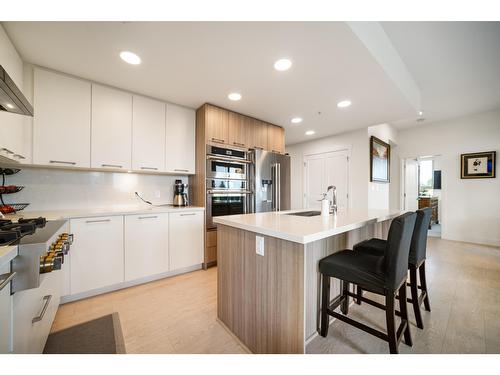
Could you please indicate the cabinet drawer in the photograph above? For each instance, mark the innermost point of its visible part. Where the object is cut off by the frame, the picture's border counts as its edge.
(34, 312)
(211, 238)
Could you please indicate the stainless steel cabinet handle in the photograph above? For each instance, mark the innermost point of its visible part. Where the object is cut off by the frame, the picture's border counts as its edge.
(44, 309)
(5, 279)
(149, 168)
(17, 156)
(62, 162)
(191, 214)
(98, 221)
(217, 140)
(148, 217)
(258, 148)
(111, 165)
(181, 170)
(238, 144)
(276, 152)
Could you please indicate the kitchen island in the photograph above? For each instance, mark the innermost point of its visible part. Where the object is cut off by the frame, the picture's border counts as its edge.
(268, 288)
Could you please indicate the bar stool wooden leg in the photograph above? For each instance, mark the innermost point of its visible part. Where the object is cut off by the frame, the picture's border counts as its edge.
(423, 284)
(403, 308)
(345, 303)
(325, 301)
(414, 297)
(390, 320)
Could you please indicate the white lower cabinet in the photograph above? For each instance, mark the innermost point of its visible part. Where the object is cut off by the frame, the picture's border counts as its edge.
(5, 314)
(186, 239)
(97, 253)
(146, 245)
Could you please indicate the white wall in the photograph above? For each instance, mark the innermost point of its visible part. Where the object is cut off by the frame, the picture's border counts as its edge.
(362, 193)
(381, 195)
(470, 208)
(51, 189)
(356, 142)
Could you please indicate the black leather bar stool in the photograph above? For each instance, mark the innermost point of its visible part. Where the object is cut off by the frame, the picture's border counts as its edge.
(384, 275)
(416, 261)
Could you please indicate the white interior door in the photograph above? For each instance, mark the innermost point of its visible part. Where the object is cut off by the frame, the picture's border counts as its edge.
(411, 185)
(323, 170)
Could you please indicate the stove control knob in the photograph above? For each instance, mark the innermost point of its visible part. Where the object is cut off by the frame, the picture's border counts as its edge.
(57, 262)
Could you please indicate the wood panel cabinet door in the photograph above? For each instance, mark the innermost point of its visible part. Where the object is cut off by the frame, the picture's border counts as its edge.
(276, 138)
(146, 245)
(61, 125)
(237, 130)
(148, 134)
(260, 135)
(111, 128)
(180, 139)
(216, 125)
(186, 232)
(96, 253)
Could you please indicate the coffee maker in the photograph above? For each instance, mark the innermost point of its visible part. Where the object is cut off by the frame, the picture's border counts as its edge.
(180, 194)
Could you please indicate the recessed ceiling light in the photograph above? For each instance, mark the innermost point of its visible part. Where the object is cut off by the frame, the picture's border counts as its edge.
(310, 132)
(8, 105)
(344, 104)
(420, 113)
(130, 57)
(296, 120)
(234, 96)
(282, 65)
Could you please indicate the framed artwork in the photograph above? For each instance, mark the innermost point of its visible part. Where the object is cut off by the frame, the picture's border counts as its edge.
(478, 165)
(380, 160)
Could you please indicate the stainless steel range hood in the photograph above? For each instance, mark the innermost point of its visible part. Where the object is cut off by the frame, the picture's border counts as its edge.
(11, 98)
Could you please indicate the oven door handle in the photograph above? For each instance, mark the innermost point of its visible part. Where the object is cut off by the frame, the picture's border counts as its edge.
(232, 160)
(227, 192)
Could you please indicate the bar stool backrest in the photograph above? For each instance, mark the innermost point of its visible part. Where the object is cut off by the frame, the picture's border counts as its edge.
(419, 240)
(398, 249)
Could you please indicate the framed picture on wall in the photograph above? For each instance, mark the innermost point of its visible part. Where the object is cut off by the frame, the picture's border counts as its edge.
(380, 160)
(478, 165)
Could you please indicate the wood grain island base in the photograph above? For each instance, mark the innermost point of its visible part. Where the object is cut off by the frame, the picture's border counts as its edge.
(271, 303)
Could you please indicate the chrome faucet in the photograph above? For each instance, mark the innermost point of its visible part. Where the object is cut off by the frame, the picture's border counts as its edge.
(333, 202)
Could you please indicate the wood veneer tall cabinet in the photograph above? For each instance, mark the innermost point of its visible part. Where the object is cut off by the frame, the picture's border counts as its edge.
(221, 127)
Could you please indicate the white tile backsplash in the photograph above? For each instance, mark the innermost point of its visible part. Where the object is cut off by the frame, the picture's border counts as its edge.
(51, 189)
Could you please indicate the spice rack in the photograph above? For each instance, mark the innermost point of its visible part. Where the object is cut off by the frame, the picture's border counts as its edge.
(10, 208)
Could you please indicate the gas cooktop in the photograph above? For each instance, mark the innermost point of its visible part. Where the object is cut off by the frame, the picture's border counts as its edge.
(11, 232)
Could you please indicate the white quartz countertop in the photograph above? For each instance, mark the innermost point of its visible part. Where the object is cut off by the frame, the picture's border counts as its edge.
(7, 253)
(305, 229)
(102, 211)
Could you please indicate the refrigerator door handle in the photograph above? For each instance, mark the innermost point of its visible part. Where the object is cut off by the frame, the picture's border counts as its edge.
(278, 187)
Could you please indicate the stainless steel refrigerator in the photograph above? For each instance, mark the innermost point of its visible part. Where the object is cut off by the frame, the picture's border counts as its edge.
(270, 181)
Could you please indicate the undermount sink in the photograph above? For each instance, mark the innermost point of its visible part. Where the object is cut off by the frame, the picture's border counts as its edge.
(306, 213)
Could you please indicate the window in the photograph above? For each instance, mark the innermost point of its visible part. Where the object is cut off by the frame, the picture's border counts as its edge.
(425, 177)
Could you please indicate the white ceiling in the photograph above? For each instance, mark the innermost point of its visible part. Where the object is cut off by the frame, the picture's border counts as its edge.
(455, 64)
(191, 63)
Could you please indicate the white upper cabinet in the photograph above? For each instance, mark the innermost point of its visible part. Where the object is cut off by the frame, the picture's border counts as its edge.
(111, 128)
(180, 144)
(61, 125)
(148, 134)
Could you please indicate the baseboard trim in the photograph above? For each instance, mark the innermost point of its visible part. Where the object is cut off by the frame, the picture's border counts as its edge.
(128, 284)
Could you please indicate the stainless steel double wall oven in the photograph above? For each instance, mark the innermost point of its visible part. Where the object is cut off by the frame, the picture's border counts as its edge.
(228, 190)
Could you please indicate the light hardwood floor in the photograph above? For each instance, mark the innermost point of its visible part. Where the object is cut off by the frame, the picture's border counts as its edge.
(178, 314)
